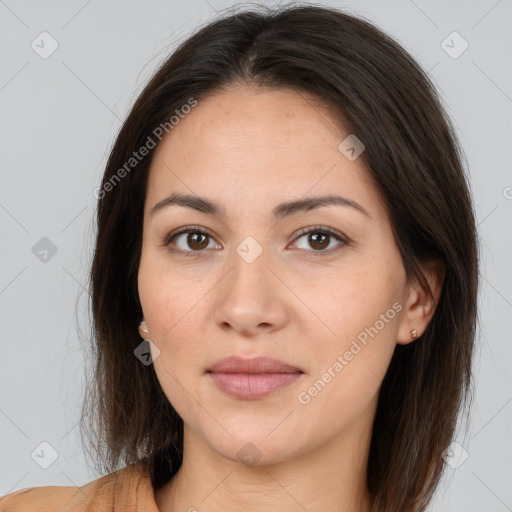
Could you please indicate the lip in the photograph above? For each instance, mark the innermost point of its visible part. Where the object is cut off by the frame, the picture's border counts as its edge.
(254, 378)
(236, 364)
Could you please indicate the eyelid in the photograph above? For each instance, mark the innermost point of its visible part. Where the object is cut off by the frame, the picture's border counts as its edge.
(187, 229)
(321, 229)
(344, 240)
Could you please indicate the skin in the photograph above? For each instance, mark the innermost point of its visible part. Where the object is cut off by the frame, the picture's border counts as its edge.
(251, 149)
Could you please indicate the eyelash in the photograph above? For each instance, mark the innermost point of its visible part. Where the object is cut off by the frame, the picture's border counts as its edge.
(303, 231)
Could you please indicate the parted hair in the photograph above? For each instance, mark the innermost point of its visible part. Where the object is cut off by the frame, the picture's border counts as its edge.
(379, 93)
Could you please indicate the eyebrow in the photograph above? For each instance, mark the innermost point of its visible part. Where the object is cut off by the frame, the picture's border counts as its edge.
(211, 207)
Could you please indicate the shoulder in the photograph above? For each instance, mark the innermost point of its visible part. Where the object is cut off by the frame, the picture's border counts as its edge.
(126, 487)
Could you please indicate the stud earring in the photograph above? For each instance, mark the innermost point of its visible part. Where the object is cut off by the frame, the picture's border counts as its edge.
(414, 333)
(143, 327)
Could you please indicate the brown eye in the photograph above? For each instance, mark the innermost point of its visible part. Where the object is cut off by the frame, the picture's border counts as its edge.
(197, 240)
(317, 240)
(190, 241)
(320, 240)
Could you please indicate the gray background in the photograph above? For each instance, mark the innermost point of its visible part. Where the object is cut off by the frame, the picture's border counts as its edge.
(59, 117)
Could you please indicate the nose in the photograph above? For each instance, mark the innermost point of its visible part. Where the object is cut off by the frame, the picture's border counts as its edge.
(251, 299)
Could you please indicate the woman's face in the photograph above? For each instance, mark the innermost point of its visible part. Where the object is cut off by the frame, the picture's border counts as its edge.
(331, 303)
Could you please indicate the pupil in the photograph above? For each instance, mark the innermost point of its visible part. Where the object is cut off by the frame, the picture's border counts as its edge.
(193, 236)
(316, 242)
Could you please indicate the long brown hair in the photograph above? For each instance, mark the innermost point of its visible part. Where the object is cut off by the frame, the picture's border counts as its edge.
(383, 97)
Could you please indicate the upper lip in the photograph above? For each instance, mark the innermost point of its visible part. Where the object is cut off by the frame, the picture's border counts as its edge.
(236, 364)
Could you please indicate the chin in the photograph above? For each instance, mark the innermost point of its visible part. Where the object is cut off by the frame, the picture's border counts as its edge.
(255, 454)
(253, 446)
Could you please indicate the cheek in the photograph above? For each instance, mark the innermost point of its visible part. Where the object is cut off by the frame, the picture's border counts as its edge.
(362, 313)
(169, 299)
(359, 302)
(179, 367)
(173, 312)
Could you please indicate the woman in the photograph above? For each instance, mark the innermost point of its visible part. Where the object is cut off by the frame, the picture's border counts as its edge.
(284, 283)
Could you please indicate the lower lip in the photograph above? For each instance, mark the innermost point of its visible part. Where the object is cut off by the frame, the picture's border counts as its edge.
(249, 386)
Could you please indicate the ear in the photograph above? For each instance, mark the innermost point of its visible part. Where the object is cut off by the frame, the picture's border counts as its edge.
(143, 329)
(419, 308)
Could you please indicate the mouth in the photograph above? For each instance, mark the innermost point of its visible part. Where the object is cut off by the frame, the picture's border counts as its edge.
(250, 379)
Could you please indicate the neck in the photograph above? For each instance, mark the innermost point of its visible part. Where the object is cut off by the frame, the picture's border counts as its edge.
(331, 477)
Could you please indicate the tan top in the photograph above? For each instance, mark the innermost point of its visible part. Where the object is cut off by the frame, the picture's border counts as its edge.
(126, 490)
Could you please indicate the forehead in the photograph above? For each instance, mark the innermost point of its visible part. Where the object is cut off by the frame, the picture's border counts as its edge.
(259, 116)
(259, 143)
